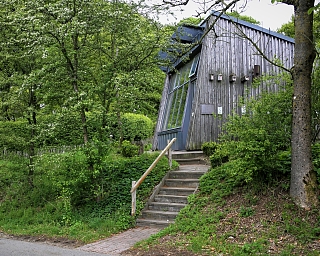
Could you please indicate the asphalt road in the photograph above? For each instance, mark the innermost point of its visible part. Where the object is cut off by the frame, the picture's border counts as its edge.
(9, 247)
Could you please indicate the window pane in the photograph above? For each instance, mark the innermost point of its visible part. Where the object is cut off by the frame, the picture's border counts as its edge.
(182, 104)
(178, 92)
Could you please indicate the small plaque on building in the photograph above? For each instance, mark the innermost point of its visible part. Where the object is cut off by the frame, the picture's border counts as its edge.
(207, 109)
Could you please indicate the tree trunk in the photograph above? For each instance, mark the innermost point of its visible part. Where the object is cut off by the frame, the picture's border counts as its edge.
(32, 120)
(303, 185)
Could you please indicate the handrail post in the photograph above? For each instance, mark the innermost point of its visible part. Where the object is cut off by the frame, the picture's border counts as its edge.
(135, 184)
(133, 196)
(170, 156)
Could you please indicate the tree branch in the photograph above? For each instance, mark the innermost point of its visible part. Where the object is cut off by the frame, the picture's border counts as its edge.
(243, 35)
(176, 3)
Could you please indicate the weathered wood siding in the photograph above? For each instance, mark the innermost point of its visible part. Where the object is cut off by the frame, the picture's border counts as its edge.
(225, 51)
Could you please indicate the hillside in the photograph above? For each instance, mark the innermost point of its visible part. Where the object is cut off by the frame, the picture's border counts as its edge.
(250, 220)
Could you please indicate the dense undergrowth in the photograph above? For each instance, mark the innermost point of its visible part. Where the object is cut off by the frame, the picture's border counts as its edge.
(67, 197)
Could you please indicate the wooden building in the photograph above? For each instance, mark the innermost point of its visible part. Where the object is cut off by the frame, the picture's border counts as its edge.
(200, 93)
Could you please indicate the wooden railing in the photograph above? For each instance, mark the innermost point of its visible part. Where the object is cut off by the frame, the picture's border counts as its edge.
(135, 184)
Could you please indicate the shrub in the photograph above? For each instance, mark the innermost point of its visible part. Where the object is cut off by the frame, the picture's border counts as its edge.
(135, 127)
(316, 159)
(209, 148)
(253, 141)
(67, 178)
(219, 157)
(14, 135)
(128, 149)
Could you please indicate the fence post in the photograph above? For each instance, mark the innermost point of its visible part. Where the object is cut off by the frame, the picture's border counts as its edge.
(133, 196)
(170, 156)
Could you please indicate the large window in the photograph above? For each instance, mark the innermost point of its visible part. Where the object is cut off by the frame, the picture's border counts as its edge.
(178, 92)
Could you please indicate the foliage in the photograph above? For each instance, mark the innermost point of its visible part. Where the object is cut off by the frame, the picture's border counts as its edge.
(103, 61)
(237, 15)
(13, 135)
(209, 148)
(316, 159)
(128, 149)
(254, 141)
(71, 200)
(226, 218)
(136, 127)
(287, 28)
(190, 21)
(129, 126)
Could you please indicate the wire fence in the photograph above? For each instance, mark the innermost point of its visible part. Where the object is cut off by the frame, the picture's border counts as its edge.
(40, 151)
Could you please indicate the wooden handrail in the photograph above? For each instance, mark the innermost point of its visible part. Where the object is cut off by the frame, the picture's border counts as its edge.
(135, 185)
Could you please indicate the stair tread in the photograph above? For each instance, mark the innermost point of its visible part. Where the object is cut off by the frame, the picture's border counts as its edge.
(173, 179)
(189, 171)
(169, 204)
(154, 221)
(179, 188)
(174, 196)
(161, 212)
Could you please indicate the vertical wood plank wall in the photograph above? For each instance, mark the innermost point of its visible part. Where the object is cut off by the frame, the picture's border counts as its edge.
(230, 53)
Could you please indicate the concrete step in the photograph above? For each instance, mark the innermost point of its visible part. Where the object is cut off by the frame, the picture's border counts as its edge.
(153, 223)
(191, 161)
(172, 194)
(159, 215)
(181, 183)
(187, 154)
(176, 191)
(165, 206)
(189, 157)
(185, 174)
(194, 168)
(171, 199)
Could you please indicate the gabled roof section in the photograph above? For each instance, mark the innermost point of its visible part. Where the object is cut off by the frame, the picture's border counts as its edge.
(186, 35)
(249, 25)
(190, 34)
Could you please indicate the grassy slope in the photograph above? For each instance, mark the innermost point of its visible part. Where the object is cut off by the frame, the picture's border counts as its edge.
(253, 219)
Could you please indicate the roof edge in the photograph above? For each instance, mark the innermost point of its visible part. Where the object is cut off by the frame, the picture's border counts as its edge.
(249, 25)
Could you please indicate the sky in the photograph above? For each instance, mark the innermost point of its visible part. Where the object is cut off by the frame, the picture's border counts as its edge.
(271, 16)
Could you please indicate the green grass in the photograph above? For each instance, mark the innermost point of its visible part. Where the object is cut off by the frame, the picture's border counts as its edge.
(228, 218)
(53, 206)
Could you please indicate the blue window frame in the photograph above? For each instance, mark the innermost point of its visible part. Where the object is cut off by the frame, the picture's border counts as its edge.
(178, 91)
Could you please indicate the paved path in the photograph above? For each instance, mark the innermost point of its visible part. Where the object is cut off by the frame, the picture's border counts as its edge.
(116, 244)
(12, 247)
(112, 246)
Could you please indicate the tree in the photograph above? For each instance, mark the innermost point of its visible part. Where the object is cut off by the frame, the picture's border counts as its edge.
(303, 185)
(93, 55)
(243, 17)
(287, 28)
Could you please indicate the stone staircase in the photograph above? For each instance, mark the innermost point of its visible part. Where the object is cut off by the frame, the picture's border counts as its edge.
(170, 196)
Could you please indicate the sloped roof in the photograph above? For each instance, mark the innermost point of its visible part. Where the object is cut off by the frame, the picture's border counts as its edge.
(185, 34)
(188, 34)
(249, 25)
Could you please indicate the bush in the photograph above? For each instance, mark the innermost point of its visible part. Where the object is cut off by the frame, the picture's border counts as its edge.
(121, 173)
(67, 177)
(219, 157)
(135, 127)
(14, 135)
(209, 148)
(128, 149)
(254, 141)
(316, 159)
